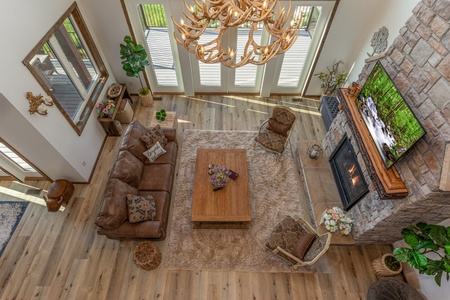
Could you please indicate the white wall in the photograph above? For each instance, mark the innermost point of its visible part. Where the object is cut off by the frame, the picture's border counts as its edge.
(23, 24)
(352, 29)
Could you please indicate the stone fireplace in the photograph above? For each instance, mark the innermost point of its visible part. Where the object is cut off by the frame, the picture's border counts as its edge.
(419, 63)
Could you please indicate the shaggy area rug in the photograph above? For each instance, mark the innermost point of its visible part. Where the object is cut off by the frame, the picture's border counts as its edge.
(274, 193)
(10, 214)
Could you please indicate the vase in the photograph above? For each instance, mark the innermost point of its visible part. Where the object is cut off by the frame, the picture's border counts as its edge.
(381, 268)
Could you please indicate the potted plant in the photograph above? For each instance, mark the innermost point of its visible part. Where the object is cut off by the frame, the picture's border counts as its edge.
(429, 250)
(333, 79)
(387, 265)
(134, 62)
(161, 115)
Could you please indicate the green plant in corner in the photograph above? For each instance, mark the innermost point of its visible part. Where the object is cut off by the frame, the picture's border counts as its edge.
(161, 115)
(430, 249)
(333, 79)
(134, 61)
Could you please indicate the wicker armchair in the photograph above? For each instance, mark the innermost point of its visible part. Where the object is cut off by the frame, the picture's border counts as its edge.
(284, 237)
(269, 137)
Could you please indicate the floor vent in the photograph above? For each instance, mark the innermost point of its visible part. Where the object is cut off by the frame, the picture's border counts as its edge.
(33, 192)
(298, 99)
(157, 98)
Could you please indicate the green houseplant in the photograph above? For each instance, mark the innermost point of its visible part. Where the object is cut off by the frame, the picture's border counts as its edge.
(429, 250)
(332, 79)
(161, 115)
(134, 61)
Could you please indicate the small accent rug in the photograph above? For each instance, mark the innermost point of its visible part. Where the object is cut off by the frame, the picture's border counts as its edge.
(10, 214)
(274, 193)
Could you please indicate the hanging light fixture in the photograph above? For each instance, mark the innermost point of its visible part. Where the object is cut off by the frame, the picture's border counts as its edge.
(232, 13)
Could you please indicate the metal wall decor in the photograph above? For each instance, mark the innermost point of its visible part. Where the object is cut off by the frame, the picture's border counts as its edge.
(36, 101)
(379, 41)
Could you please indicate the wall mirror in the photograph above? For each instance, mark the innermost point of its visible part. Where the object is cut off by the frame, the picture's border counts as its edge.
(68, 66)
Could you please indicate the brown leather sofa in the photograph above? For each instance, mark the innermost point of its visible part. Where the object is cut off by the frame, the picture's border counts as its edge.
(134, 174)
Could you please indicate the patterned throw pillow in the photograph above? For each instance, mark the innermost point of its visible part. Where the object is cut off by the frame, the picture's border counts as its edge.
(277, 127)
(140, 208)
(154, 135)
(154, 152)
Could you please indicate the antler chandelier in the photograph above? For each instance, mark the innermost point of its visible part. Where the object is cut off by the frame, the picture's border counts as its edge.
(232, 13)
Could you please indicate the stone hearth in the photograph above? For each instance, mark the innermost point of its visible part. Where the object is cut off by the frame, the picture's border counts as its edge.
(419, 63)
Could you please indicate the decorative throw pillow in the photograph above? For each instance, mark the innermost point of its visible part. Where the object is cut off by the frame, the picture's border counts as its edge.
(154, 135)
(303, 244)
(140, 208)
(154, 152)
(278, 127)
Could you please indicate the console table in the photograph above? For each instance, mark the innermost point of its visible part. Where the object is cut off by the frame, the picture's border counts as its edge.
(108, 124)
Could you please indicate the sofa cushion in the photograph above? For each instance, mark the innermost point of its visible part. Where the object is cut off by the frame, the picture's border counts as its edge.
(155, 229)
(170, 157)
(156, 177)
(154, 152)
(170, 133)
(131, 140)
(114, 208)
(128, 168)
(140, 208)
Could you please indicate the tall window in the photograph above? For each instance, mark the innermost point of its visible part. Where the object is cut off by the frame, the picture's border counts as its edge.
(69, 68)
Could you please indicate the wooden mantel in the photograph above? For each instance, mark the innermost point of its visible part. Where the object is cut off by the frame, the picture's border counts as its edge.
(387, 181)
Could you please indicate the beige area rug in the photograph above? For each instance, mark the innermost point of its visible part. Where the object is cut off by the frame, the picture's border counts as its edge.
(274, 193)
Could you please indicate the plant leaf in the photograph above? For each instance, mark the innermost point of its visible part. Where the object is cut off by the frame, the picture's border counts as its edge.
(438, 277)
(412, 240)
(447, 248)
(402, 254)
(418, 259)
(438, 234)
(427, 244)
(434, 266)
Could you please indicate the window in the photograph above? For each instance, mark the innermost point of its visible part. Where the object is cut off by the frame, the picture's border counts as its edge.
(69, 68)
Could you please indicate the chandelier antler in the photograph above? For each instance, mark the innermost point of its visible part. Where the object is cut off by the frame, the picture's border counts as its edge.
(232, 13)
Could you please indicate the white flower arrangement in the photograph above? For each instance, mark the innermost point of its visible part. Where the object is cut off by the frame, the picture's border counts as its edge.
(335, 220)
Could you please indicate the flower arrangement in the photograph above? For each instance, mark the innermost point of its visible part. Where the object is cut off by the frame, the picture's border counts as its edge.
(219, 175)
(106, 108)
(336, 220)
(333, 79)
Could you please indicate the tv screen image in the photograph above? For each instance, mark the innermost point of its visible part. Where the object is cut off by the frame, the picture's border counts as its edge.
(391, 123)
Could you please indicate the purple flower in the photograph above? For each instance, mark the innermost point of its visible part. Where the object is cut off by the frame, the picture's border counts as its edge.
(100, 105)
(105, 111)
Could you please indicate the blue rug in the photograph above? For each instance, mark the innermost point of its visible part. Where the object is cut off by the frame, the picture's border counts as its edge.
(10, 214)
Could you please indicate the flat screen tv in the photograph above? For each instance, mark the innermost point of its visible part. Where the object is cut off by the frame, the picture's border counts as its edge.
(392, 124)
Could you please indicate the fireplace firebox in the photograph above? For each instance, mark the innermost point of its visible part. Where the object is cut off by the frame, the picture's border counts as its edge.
(347, 174)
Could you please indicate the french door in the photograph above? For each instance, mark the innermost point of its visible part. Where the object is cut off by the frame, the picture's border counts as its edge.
(174, 69)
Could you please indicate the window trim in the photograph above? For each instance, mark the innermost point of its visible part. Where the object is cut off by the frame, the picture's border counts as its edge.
(89, 102)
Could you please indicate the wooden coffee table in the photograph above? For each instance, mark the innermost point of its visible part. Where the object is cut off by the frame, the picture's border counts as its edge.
(226, 208)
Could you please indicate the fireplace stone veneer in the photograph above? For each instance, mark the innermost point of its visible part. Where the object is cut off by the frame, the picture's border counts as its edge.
(419, 63)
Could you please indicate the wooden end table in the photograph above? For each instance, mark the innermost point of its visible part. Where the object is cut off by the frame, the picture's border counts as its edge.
(170, 122)
(225, 208)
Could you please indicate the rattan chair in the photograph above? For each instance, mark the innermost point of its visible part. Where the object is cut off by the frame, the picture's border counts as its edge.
(274, 141)
(284, 238)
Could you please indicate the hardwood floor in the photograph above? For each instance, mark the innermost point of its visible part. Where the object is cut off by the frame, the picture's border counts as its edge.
(60, 256)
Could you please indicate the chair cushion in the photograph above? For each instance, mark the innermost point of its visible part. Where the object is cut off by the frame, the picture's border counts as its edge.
(154, 152)
(316, 247)
(140, 208)
(286, 234)
(170, 157)
(128, 168)
(283, 115)
(114, 207)
(271, 140)
(131, 140)
(277, 127)
(303, 244)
